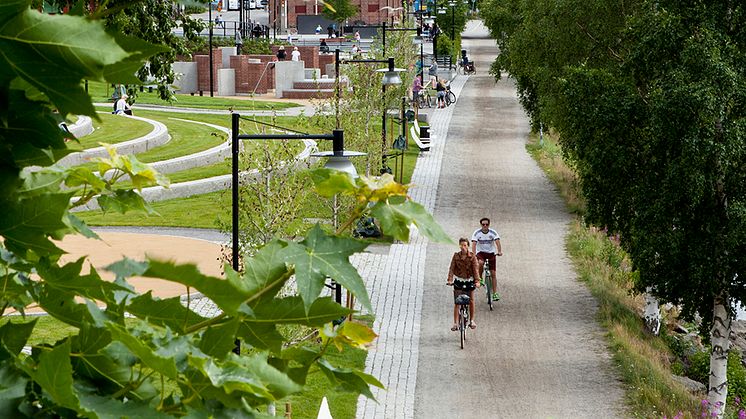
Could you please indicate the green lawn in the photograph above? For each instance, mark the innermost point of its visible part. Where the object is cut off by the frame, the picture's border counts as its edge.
(101, 92)
(200, 211)
(111, 129)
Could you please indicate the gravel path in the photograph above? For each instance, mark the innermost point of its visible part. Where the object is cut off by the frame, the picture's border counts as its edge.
(540, 353)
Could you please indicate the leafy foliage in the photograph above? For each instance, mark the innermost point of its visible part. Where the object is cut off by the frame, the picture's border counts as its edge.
(648, 99)
(136, 355)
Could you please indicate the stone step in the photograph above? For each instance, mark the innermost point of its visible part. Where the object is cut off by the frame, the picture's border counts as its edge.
(316, 84)
(308, 93)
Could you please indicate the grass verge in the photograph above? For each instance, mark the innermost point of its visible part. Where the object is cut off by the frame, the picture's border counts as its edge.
(111, 129)
(642, 360)
(101, 92)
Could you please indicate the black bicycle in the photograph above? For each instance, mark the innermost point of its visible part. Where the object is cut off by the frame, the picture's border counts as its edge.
(450, 96)
(487, 278)
(463, 300)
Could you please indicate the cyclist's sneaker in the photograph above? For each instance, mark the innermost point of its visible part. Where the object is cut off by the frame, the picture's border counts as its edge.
(495, 296)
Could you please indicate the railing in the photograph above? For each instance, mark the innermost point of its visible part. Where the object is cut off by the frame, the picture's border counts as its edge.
(446, 61)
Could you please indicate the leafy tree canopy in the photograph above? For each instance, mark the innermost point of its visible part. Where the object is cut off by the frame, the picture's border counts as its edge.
(165, 360)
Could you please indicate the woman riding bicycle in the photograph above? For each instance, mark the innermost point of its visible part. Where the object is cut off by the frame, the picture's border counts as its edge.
(464, 276)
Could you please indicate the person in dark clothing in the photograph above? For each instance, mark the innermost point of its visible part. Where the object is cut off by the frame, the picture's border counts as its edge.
(281, 53)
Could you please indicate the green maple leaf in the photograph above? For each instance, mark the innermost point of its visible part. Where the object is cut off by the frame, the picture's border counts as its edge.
(27, 224)
(55, 375)
(264, 273)
(396, 219)
(320, 256)
(54, 52)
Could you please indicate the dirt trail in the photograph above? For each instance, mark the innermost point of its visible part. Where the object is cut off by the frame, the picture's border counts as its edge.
(540, 353)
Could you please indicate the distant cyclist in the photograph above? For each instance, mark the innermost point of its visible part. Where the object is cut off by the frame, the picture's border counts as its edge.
(485, 242)
(464, 276)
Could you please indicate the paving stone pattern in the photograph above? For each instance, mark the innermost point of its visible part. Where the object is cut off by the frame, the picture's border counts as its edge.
(396, 292)
(394, 281)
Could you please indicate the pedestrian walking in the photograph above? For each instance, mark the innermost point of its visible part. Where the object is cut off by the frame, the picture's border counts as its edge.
(295, 55)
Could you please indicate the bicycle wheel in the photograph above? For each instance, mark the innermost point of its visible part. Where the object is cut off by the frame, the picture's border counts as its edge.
(488, 281)
(450, 97)
(428, 101)
(462, 325)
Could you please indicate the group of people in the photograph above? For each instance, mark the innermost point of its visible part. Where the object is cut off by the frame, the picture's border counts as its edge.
(465, 272)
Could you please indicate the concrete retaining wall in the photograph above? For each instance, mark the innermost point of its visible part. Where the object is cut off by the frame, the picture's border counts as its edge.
(286, 72)
(82, 127)
(226, 82)
(186, 80)
(203, 186)
(157, 137)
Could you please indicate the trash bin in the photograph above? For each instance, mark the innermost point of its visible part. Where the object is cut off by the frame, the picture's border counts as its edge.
(424, 132)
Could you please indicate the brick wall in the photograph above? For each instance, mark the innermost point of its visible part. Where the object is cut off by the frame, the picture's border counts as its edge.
(203, 70)
(325, 59)
(256, 70)
(370, 11)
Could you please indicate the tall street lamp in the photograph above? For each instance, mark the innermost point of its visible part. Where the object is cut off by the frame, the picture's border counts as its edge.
(390, 77)
(453, 21)
(337, 160)
(209, 37)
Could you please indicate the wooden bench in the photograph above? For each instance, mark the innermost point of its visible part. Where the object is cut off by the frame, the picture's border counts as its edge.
(423, 144)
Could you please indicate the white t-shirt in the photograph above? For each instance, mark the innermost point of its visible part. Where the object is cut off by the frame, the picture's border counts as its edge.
(485, 241)
(295, 55)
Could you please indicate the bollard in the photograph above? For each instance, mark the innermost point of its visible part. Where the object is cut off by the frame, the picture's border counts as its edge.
(150, 89)
(142, 88)
(200, 92)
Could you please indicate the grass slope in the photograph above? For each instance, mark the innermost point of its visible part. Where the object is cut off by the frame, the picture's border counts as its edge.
(642, 360)
(101, 92)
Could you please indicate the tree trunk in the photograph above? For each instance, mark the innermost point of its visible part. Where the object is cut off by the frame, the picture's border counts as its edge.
(652, 314)
(721, 329)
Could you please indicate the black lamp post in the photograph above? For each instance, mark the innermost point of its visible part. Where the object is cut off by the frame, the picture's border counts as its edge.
(453, 20)
(337, 159)
(390, 77)
(209, 38)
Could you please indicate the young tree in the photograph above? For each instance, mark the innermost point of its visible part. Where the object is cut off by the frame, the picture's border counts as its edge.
(164, 360)
(339, 11)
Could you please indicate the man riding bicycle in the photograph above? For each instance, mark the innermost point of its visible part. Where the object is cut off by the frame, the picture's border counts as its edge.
(464, 276)
(485, 242)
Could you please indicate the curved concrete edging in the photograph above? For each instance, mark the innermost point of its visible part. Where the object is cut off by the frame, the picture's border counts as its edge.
(202, 186)
(82, 127)
(155, 138)
(199, 159)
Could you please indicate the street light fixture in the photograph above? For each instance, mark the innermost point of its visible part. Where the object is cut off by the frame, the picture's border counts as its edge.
(338, 160)
(390, 77)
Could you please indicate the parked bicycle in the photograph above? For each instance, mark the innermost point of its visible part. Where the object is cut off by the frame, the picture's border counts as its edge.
(424, 99)
(450, 96)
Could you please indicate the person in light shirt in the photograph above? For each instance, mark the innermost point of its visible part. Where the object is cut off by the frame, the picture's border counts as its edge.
(485, 243)
(295, 55)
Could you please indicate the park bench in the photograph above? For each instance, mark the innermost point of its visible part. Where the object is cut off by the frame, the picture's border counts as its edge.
(422, 143)
(426, 135)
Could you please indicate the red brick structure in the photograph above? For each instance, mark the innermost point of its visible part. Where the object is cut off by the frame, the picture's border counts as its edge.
(253, 75)
(370, 11)
(203, 69)
(325, 59)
